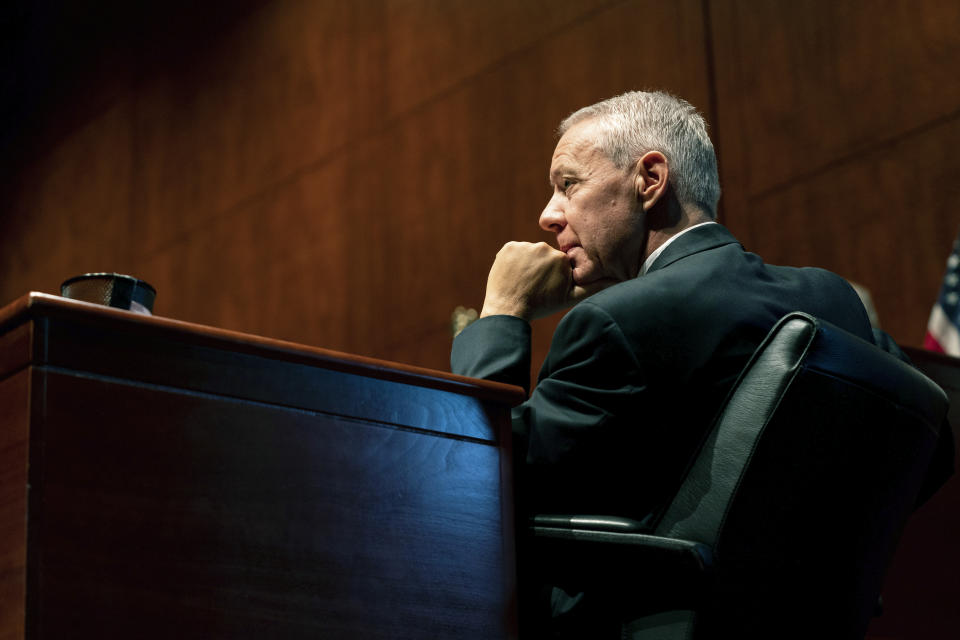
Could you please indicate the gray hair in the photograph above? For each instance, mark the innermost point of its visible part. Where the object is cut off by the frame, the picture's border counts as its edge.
(640, 121)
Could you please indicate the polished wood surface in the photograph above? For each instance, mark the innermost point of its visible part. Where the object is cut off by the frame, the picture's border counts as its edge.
(199, 483)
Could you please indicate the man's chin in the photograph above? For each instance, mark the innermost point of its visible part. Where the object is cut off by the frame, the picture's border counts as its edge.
(593, 281)
(584, 274)
(583, 277)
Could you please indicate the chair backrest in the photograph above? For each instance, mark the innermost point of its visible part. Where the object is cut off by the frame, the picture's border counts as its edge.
(805, 482)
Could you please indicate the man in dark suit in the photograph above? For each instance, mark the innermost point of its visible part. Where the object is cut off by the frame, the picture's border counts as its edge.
(676, 306)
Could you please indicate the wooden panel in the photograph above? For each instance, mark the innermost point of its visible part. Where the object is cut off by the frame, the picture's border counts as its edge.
(16, 349)
(184, 504)
(299, 83)
(273, 268)
(93, 339)
(801, 85)
(838, 126)
(14, 430)
(177, 515)
(70, 212)
(130, 351)
(221, 105)
(875, 223)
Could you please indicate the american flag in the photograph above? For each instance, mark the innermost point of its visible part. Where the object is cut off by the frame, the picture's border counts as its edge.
(942, 329)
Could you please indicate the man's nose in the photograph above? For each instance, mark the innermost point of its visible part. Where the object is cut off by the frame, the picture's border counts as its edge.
(552, 218)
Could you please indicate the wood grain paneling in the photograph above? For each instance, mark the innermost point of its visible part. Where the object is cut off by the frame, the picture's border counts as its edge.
(838, 125)
(321, 382)
(15, 397)
(875, 221)
(803, 84)
(208, 517)
(192, 482)
(16, 349)
(301, 82)
(70, 212)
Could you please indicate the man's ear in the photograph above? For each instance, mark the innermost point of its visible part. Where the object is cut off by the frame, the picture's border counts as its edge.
(652, 179)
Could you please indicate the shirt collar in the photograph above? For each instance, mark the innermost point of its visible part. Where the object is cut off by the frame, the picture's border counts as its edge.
(656, 254)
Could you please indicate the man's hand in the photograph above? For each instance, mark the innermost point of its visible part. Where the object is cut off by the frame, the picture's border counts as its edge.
(531, 281)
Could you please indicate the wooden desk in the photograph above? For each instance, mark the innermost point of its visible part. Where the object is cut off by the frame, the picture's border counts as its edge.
(160, 479)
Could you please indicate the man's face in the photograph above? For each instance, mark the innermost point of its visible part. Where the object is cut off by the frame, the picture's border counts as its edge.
(594, 210)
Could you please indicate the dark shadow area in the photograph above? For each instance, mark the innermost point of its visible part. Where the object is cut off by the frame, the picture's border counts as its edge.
(63, 61)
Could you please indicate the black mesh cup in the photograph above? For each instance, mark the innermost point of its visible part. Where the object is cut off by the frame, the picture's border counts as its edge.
(112, 290)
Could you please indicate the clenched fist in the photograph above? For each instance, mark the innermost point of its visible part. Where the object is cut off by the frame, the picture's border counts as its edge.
(532, 280)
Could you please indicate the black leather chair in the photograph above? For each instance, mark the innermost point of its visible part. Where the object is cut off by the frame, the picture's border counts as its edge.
(788, 516)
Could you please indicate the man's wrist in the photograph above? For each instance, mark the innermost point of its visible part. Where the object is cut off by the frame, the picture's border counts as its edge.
(505, 308)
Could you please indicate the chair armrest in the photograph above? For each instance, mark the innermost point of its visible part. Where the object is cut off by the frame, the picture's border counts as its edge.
(600, 551)
(590, 523)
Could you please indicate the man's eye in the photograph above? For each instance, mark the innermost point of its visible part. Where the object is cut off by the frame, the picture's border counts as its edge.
(567, 183)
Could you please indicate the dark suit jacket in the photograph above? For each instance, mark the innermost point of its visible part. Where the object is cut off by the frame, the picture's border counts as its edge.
(636, 373)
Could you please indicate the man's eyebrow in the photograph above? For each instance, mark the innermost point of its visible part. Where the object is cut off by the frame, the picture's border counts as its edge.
(559, 171)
